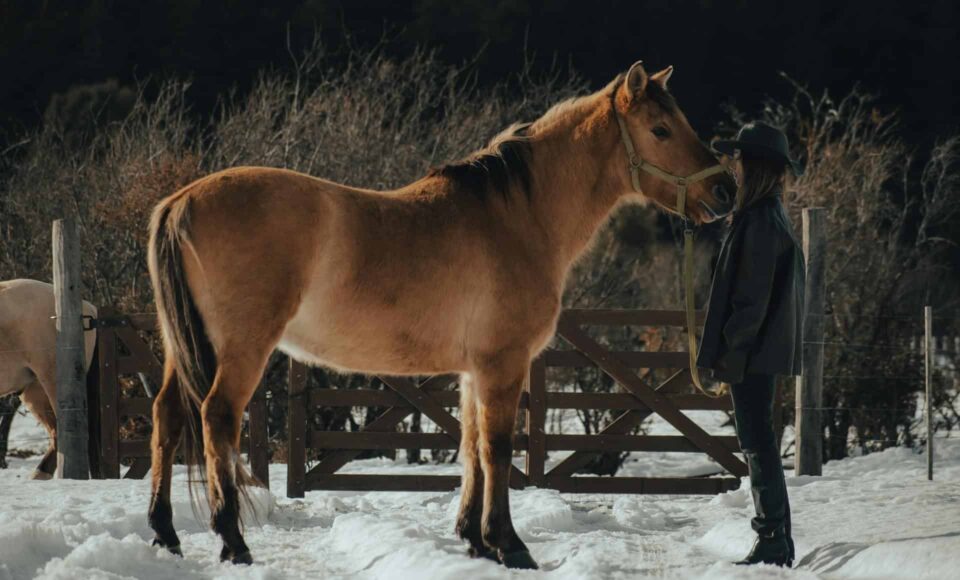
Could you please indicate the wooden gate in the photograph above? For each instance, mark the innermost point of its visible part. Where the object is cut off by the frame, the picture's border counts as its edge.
(433, 399)
(123, 352)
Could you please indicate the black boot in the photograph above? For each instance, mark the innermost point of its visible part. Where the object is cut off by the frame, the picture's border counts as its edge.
(753, 408)
(769, 550)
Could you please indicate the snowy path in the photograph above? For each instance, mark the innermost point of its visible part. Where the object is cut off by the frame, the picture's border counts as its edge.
(869, 517)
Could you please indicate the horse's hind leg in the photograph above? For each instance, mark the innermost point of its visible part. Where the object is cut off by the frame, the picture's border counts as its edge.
(238, 374)
(498, 391)
(167, 428)
(35, 398)
(8, 408)
(471, 496)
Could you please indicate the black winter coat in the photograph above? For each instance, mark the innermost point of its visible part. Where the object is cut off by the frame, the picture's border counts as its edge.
(754, 318)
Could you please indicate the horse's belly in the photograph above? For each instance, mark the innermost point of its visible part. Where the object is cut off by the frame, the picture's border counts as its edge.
(349, 337)
(14, 374)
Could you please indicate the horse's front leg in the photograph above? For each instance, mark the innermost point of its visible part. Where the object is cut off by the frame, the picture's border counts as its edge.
(498, 394)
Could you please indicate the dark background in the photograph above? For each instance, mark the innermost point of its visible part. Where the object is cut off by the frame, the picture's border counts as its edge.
(723, 51)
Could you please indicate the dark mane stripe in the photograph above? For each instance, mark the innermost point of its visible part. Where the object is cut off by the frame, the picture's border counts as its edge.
(661, 97)
(497, 168)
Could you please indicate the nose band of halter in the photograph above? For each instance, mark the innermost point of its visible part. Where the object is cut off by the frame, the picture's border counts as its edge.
(637, 163)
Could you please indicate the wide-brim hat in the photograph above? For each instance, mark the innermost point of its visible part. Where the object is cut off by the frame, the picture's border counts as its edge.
(761, 139)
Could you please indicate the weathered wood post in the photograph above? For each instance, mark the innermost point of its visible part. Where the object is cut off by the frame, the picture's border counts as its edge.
(928, 348)
(297, 429)
(259, 450)
(536, 422)
(72, 453)
(809, 395)
(109, 395)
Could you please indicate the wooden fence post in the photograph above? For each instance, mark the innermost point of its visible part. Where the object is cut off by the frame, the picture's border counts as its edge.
(259, 438)
(72, 437)
(109, 399)
(536, 422)
(297, 430)
(809, 395)
(93, 417)
(928, 348)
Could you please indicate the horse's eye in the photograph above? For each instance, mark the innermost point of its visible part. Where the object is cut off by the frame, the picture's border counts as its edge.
(660, 132)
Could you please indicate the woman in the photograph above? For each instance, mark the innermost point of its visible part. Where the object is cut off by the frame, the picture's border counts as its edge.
(754, 322)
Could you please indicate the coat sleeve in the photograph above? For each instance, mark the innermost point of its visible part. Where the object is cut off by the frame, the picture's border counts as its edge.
(749, 297)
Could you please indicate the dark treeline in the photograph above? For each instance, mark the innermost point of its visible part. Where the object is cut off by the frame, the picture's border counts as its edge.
(724, 51)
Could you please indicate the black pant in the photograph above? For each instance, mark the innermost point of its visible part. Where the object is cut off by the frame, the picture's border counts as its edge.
(753, 409)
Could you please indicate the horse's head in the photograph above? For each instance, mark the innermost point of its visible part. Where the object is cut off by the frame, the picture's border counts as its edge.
(663, 155)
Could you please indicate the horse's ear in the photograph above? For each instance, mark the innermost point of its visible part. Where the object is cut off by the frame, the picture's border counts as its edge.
(636, 81)
(662, 77)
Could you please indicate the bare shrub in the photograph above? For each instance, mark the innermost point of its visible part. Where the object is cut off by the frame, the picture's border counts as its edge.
(109, 185)
(374, 122)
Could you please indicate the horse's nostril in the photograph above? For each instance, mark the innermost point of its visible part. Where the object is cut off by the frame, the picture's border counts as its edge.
(721, 193)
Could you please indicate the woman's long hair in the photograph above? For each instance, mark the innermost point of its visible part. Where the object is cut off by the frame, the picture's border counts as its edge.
(761, 176)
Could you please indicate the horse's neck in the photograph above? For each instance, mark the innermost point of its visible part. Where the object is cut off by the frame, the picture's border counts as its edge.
(574, 193)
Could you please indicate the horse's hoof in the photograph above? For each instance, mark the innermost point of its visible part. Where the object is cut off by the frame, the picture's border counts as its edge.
(175, 550)
(242, 558)
(484, 552)
(521, 559)
(41, 475)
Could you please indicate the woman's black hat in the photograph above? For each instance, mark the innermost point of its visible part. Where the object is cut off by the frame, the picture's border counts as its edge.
(762, 139)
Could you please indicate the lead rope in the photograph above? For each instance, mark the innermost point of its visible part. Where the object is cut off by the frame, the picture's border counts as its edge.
(636, 163)
(688, 302)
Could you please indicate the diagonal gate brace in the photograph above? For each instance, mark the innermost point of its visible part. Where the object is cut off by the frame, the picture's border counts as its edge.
(387, 421)
(656, 401)
(619, 426)
(439, 415)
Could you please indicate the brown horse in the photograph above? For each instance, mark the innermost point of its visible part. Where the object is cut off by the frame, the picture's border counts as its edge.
(461, 271)
(28, 362)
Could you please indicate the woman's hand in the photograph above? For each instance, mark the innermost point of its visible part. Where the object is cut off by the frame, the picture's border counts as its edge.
(723, 389)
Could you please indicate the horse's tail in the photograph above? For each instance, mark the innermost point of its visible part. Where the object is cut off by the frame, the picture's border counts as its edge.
(186, 344)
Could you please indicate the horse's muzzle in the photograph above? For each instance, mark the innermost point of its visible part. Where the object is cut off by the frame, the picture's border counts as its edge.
(723, 204)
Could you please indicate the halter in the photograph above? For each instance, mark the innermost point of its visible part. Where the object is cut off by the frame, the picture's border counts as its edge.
(637, 163)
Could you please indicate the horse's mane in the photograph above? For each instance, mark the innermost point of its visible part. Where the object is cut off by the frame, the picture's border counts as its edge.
(503, 163)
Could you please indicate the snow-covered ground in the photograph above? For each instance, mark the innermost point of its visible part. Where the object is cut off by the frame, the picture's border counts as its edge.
(867, 517)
